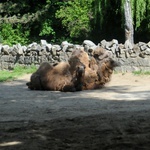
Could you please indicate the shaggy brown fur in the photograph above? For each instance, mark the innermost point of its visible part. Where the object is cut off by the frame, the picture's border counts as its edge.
(56, 78)
(35, 80)
(105, 70)
(90, 77)
(103, 64)
(79, 73)
(99, 68)
(93, 64)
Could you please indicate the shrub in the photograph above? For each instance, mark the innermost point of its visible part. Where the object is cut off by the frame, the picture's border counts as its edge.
(13, 34)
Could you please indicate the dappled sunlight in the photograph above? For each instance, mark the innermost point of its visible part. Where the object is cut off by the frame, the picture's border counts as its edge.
(69, 97)
(56, 120)
(18, 103)
(13, 101)
(13, 143)
(124, 93)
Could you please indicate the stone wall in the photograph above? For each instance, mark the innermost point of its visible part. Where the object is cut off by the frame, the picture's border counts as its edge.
(130, 57)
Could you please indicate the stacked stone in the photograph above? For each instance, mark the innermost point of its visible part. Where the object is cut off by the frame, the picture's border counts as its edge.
(34, 54)
(131, 57)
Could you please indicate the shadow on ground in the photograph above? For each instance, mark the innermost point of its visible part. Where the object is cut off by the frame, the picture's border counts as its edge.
(115, 117)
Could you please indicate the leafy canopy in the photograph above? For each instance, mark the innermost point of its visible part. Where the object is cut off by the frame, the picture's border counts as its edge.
(75, 16)
(10, 35)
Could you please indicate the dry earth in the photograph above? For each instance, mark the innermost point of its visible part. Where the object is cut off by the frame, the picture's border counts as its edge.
(116, 117)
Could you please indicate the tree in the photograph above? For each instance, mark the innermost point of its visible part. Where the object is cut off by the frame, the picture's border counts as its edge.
(75, 16)
(74, 20)
(34, 16)
(131, 15)
(129, 31)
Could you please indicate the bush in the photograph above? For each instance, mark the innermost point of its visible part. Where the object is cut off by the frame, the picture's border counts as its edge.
(13, 34)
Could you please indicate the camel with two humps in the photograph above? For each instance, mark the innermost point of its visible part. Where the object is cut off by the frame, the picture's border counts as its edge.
(81, 72)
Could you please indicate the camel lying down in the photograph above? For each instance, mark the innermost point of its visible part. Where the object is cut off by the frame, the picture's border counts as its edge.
(57, 78)
(79, 73)
(98, 68)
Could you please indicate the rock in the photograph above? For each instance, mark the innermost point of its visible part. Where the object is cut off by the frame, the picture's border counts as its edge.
(122, 53)
(136, 49)
(121, 46)
(56, 47)
(65, 46)
(113, 49)
(69, 54)
(32, 45)
(63, 56)
(64, 43)
(91, 49)
(86, 48)
(103, 43)
(141, 43)
(108, 45)
(147, 51)
(141, 55)
(89, 43)
(76, 46)
(43, 42)
(56, 58)
(5, 58)
(37, 53)
(54, 50)
(5, 49)
(49, 47)
(127, 55)
(21, 60)
(148, 44)
(34, 53)
(24, 48)
(133, 55)
(11, 59)
(12, 52)
(18, 49)
(114, 41)
(69, 49)
(143, 47)
(0, 48)
(38, 48)
(34, 49)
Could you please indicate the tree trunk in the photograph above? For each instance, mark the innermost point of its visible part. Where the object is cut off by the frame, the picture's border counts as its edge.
(129, 31)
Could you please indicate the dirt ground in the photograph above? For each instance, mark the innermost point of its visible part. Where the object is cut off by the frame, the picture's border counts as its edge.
(116, 117)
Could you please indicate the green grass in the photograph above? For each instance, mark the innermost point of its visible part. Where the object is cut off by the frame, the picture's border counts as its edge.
(6, 75)
(141, 72)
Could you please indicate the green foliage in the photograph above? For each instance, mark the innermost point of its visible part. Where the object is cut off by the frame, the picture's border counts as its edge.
(141, 72)
(13, 35)
(100, 10)
(54, 20)
(75, 16)
(139, 11)
(46, 29)
(1, 39)
(6, 75)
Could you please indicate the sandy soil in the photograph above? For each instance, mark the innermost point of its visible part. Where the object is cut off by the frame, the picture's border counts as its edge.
(116, 117)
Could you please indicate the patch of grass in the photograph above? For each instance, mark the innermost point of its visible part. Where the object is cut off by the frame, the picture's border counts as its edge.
(18, 70)
(141, 72)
